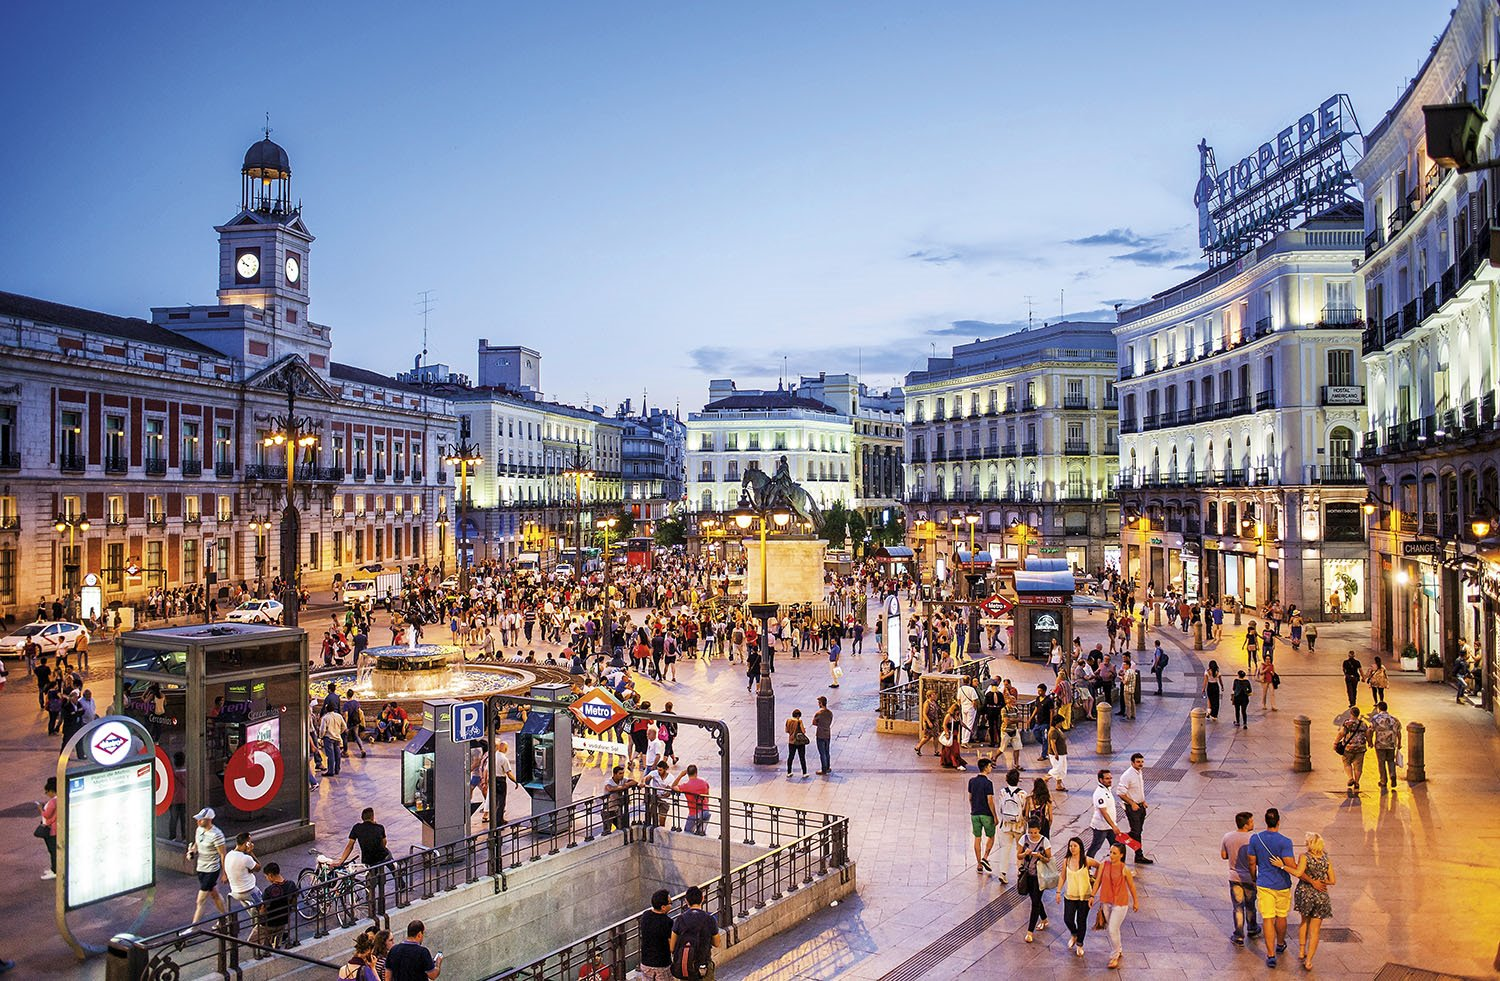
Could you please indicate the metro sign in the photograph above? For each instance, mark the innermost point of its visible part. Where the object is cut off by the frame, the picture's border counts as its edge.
(996, 606)
(599, 710)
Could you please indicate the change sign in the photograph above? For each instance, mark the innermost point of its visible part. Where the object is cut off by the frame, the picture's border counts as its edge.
(599, 710)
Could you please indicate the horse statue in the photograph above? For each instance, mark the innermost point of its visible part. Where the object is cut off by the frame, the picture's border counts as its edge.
(780, 490)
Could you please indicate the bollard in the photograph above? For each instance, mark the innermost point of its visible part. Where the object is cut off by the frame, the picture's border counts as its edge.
(1416, 759)
(1238, 606)
(1140, 632)
(1199, 753)
(1103, 712)
(1157, 608)
(1197, 635)
(1302, 744)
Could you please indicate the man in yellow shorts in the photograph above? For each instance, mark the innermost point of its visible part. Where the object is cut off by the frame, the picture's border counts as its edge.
(1271, 854)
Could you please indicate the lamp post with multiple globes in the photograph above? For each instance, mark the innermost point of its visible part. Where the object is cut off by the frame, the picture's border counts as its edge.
(766, 750)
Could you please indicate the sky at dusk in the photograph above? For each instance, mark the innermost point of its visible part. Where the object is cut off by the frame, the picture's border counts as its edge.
(654, 194)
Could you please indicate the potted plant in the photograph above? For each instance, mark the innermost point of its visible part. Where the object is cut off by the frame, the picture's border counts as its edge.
(1434, 668)
(1410, 658)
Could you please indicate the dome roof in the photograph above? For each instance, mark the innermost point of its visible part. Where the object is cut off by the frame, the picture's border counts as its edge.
(266, 159)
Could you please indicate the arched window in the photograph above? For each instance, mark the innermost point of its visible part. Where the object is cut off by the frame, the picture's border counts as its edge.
(1341, 450)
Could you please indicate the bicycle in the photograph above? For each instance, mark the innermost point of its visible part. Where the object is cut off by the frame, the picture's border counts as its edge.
(331, 887)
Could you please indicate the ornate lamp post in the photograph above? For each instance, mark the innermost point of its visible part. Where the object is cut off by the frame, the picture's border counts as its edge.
(972, 578)
(463, 456)
(72, 524)
(262, 528)
(578, 469)
(606, 525)
(766, 750)
(291, 432)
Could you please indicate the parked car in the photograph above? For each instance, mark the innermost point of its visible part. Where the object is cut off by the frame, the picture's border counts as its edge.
(52, 636)
(449, 585)
(255, 611)
(562, 572)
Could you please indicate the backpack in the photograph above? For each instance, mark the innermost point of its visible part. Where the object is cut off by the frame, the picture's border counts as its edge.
(1010, 804)
(1387, 731)
(1161, 662)
(688, 963)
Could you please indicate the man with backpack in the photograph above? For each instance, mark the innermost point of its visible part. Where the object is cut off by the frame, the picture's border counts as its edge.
(1352, 743)
(1011, 802)
(694, 936)
(1387, 744)
(1159, 661)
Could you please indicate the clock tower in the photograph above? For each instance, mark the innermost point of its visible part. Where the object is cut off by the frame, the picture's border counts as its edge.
(261, 316)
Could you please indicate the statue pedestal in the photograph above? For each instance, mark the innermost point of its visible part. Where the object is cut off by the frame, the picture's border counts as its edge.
(794, 570)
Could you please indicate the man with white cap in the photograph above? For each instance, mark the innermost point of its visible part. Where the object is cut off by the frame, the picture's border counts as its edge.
(208, 847)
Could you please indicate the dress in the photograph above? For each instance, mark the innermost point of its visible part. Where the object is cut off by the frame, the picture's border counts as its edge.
(1308, 901)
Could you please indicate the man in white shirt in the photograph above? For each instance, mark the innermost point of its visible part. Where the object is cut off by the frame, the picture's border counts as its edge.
(240, 867)
(208, 850)
(1102, 818)
(1133, 793)
(333, 728)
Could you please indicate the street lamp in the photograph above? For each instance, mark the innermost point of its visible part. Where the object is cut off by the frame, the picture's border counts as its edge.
(1023, 533)
(291, 432)
(463, 456)
(262, 529)
(606, 525)
(766, 750)
(972, 575)
(971, 519)
(578, 469)
(72, 524)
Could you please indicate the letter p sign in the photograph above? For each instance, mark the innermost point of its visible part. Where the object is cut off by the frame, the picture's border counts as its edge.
(468, 721)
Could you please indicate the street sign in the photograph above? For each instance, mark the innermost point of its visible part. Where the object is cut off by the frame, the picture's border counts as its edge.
(996, 606)
(468, 721)
(599, 710)
(109, 744)
(253, 775)
(1422, 546)
(164, 787)
(584, 744)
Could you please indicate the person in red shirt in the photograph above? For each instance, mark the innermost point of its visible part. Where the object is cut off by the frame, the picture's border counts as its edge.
(696, 788)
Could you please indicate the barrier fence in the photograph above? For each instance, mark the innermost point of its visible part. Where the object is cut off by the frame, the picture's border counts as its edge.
(800, 840)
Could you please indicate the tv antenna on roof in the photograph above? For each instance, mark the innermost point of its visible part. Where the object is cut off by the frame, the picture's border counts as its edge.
(1028, 312)
(426, 303)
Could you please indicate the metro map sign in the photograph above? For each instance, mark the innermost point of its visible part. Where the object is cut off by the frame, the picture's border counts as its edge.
(599, 710)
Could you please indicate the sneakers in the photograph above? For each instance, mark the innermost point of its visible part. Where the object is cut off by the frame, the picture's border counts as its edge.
(1237, 940)
(984, 864)
(1270, 962)
(49, 874)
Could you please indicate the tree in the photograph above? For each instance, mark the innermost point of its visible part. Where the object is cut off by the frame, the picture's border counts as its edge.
(670, 531)
(623, 529)
(836, 524)
(857, 528)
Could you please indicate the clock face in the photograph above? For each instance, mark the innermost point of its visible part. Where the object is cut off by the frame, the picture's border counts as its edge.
(247, 265)
(293, 270)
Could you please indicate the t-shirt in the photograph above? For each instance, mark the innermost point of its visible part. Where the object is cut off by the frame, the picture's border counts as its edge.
(238, 867)
(208, 842)
(371, 838)
(823, 723)
(277, 899)
(409, 961)
(1104, 800)
(981, 789)
(1237, 846)
(698, 927)
(1264, 844)
(696, 789)
(656, 939)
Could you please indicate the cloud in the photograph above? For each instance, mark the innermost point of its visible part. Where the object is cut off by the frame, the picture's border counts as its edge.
(976, 253)
(1154, 256)
(749, 365)
(1115, 236)
(936, 258)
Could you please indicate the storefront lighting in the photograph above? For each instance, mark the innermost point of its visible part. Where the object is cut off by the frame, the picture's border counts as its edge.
(1481, 527)
(1402, 578)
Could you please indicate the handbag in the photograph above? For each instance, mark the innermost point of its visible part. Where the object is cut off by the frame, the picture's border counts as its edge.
(1338, 747)
(1026, 884)
(799, 738)
(40, 831)
(1047, 876)
(945, 738)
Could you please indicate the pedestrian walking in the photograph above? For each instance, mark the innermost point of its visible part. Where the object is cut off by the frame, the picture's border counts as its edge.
(656, 938)
(1039, 806)
(1102, 821)
(1269, 682)
(332, 728)
(1130, 687)
(1074, 890)
(1352, 743)
(1252, 646)
(208, 849)
(1271, 858)
(823, 734)
(796, 742)
(1033, 855)
(1239, 697)
(1235, 849)
(1132, 791)
(1012, 817)
(1312, 902)
(931, 720)
(240, 866)
(952, 740)
(1378, 681)
(752, 668)
(1159, 659)
(1387, 739)
(695, 934)
(1213, 687)
(1114, 888)
(1353, 674)
(1312, 638)
(983, 818)
(1057, 748)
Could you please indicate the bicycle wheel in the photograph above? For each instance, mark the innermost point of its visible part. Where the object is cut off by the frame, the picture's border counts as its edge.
(354, 900)
(310, 897)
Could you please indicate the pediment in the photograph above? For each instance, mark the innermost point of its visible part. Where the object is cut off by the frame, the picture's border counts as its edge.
(306, 382)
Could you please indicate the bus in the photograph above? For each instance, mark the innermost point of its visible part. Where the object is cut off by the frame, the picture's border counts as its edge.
(638, 552)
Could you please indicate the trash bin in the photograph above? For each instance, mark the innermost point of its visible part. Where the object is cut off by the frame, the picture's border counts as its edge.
(126, 958)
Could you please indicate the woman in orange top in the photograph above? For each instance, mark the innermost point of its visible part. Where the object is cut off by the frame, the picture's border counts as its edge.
(1113, 888)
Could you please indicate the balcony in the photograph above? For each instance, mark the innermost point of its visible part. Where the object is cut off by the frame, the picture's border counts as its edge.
(70, 462)
(1265, 400)
(1075, 402)
(1028, 404)
(224, 468)
(115, 519)
(1338, 473)
(1429, 299)
(10, 522)
(116, 464)
(190, 468)
(1078, 447)
(155, 468)
(193, 519)
(360, 473)
(1342, 395)
(1181, 417)
(1262, 328)
(1012, 449)
(1373, 242)
(1128, 425)
(1409, 318)
(157, 519)
(1149, 366)
(1151, 422)
(398, 475)
(10, 461)
(442, 476)
(1126, 372)
(1028, 449)
(418, 477)
(379, 475)
(1340, 317)
(1111, 402)
(1238, 406)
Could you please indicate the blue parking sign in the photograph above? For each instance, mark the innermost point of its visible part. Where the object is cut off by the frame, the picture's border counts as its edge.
(468, 721)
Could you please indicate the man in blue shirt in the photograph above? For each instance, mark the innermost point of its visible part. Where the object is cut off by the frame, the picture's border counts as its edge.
(1272, 858)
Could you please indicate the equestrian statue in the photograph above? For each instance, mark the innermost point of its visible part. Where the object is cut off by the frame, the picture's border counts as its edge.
(780, 490)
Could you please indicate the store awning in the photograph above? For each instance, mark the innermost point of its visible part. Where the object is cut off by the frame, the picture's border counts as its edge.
(893, 553)
(1032, 581)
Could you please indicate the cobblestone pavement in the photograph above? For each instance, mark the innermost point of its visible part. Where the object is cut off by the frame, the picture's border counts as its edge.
(1406, 861)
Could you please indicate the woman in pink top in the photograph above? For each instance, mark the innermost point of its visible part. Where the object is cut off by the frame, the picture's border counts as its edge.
(1113, 888)
(48, 827)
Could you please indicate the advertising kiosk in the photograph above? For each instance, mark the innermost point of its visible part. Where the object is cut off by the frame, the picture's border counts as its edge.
(227, 707)
(1043, 612)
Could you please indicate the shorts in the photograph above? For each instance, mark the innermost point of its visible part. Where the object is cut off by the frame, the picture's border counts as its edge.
(1011, 740)
(1273, 902)
(208, 880)
(983, 825)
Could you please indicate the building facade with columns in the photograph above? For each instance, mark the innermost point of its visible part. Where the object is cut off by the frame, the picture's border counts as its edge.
(154, 432)
(1020, 429)
(1432, 450)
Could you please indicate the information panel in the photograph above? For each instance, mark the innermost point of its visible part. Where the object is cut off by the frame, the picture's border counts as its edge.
(109, 833)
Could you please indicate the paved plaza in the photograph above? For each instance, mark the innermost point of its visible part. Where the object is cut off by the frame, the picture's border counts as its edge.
(1417, 878)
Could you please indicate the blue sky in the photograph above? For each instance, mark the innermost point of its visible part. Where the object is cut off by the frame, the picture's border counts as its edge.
(653, 194)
